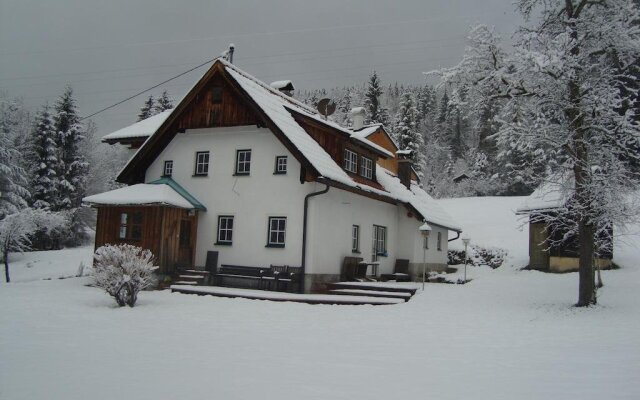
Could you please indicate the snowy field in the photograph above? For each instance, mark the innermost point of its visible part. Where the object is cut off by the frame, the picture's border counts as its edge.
(509, 334)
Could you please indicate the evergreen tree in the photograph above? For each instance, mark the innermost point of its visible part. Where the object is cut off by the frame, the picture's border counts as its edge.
(376, 113)
(147, 109)
(72, 167)
(13, 178)
(44, 155)
(406, 131)
(163, 103)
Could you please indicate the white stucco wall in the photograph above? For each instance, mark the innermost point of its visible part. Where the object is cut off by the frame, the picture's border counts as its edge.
(253, 199)
(250, 199)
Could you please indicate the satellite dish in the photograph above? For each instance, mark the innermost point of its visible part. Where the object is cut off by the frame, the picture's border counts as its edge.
(326, 107)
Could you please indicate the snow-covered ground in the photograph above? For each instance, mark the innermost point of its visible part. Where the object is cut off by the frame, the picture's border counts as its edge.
(509, 334)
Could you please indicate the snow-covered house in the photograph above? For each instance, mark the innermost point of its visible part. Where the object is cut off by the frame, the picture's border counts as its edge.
(240, 168)
(556, 250)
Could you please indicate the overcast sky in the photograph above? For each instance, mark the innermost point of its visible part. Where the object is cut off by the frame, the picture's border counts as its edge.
(108, 50)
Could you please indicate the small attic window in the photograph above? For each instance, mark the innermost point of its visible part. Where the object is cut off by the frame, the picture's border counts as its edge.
(216, 94)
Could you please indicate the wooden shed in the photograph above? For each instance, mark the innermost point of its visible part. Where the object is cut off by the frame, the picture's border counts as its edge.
(160, 216)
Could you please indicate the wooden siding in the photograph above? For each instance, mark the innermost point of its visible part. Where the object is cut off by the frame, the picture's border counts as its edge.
(381, 139)
(160, 232)
(204, 113)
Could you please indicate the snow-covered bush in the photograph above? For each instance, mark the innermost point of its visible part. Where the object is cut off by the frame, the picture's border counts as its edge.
(122, 271)
(492, 257)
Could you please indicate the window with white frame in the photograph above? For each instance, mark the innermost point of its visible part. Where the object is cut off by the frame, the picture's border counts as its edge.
(225, 229)
(426, 242)
(350, 161)
(130, 226)
(202, 163)
(379, 240)
(281, 165)
(366, 167)
(355, 238)
(168, 168)
(439, 240)
(277, 230)
(243, 162)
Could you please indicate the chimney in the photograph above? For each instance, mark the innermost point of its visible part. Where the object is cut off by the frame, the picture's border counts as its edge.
(404, 167)
(357, 114)
(285, 87)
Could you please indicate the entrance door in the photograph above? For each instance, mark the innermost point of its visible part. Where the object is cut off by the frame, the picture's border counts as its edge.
(185, 256)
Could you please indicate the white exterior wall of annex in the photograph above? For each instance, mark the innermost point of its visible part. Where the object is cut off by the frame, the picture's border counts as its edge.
(250, 199)
(331, 217)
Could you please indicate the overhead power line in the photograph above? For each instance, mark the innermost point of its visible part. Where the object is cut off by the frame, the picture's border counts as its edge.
(148, 89)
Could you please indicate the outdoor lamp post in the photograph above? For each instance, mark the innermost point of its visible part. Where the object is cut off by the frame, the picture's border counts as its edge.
(466, 243)
(425, 229)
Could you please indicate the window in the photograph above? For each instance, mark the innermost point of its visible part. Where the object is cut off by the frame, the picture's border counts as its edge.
(202, 163)
(426, 242)
(216, 95)
(130, 226)
(355, 239)
(225, 229)
(243, 162)
(281, 165)
(439, 241)
(366, 167)
(379, 240)
(350, 161)
(277, 228)
(168, 168)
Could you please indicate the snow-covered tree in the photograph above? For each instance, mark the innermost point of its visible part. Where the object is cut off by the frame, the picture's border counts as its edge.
(147, 109)
(376, 113)
(164, 102)
(570, 76)
(16, 231)
(123, 271)
(72, 167)
(407, 135)
(13, 177)
(44, 155)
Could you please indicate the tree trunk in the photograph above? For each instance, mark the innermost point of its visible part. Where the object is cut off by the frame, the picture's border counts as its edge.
(6, 266)
(586, 290)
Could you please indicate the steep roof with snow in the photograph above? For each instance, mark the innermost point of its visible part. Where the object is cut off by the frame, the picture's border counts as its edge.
(142, 129)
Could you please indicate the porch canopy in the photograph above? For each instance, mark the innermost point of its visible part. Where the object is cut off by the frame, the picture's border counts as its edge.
(163, 192)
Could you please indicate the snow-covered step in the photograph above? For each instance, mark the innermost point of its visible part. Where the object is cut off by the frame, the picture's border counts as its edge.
(376, 286)
(372, 293)
(195, 272)
(192, 283)
(190, 276)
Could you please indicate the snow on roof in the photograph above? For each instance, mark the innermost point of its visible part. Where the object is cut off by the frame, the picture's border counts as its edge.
(366, 130)
(141, 194)
(431, 211)
(280, 85)
(144, 128)
(548, 196)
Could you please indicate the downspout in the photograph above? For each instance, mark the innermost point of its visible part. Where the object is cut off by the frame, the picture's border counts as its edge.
(455, 238)
(304, 234)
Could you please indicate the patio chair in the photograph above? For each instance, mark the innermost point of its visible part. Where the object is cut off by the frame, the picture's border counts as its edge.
(350, 268)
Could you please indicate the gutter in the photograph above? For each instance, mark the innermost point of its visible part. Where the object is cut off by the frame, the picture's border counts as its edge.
(304, 234)
(455, 238)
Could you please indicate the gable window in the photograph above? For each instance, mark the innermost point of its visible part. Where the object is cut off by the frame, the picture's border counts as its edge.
(130, 226)
(355, 238)
(366, 167)
(168, 168)
(380, 240)
(225, 229)
(216, 94)
(281, 165)
(202, 163)
(243, 162)
(277, 230)
(439, 241)
(350, 161)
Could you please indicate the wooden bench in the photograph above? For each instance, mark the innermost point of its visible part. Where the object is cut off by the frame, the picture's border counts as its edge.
(282, 277)
(239, 272)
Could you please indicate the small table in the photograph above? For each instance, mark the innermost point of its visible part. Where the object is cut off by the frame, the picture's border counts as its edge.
(374, 268)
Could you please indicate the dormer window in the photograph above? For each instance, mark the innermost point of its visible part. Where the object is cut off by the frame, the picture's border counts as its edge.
(366, 167)
(350, 161)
